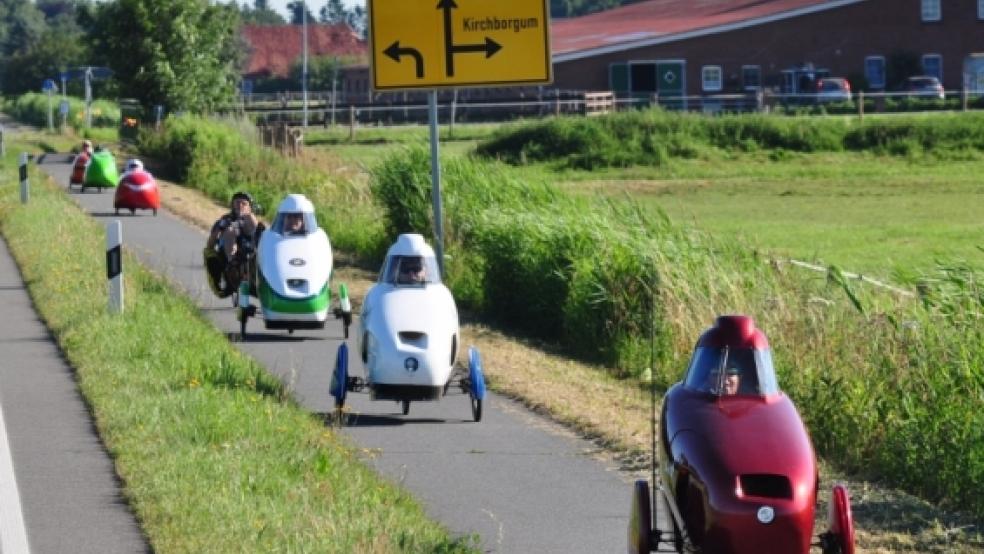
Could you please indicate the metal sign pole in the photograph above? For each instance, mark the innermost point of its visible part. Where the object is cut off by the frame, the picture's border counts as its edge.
(51, 113)
(88, 98)
(436, 182)
(304, 69)
(114, 265)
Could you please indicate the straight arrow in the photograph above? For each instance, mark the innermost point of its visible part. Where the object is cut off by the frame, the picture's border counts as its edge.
(490, 47)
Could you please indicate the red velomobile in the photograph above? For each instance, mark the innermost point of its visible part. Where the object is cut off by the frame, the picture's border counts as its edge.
(78, 168)
(737, 470)
(137, 190)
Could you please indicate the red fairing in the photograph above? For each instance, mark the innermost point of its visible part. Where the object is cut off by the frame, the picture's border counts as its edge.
(137, 191)
(78, 168)
(734, 331)
(732, 456)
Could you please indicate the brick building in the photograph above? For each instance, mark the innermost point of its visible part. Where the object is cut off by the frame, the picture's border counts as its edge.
(724, 46)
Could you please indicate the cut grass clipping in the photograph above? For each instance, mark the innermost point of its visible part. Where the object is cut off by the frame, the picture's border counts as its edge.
(213, 454)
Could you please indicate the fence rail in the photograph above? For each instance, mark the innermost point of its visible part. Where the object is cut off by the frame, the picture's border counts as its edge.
(391, 111)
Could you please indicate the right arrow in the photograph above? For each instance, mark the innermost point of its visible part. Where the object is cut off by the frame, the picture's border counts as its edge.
(394, 51)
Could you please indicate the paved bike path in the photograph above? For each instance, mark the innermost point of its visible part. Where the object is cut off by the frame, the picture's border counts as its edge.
(518, 481)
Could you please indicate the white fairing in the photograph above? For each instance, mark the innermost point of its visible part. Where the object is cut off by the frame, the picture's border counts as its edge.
(409, 331)
(295, 266)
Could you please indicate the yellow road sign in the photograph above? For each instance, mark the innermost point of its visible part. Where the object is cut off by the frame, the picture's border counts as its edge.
(454, 43)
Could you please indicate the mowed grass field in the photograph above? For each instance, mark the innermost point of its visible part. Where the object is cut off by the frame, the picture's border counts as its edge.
(890, 217)
(878, 215)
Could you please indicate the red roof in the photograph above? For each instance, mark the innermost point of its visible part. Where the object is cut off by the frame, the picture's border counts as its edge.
(656, 21)
(273, 48)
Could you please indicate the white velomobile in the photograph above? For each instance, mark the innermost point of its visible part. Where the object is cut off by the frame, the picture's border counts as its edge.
(293, 269)
(408, 335)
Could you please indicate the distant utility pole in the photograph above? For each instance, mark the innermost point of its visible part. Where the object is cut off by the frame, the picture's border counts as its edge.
(304, 68)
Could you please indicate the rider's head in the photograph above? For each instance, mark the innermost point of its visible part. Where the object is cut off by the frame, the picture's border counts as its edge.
(241, 202)
(87, 145)
(134, 164)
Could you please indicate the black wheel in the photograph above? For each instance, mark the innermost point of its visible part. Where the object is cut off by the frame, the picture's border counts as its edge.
(406, 407)
(133, 211)
(476, 406)
(155, 212)
(117, 211)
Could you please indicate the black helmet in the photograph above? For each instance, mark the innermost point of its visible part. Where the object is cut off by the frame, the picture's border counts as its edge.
(242, 196)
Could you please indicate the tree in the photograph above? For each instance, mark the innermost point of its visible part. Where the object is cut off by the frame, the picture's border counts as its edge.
(333, 12)
(21, 26)
(183, 54)
(297, 10)
(261, 15)
(60, 47)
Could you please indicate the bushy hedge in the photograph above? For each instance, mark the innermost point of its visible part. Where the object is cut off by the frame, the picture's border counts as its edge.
(32, 108)
(888, 387)
(222, 156)
(653, 137)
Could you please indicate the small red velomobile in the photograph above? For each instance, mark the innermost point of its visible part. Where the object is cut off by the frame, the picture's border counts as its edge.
(78, 169)
(137, 190)
(737, 472)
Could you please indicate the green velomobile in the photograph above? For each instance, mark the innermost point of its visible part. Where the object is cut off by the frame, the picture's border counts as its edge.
(101, 172)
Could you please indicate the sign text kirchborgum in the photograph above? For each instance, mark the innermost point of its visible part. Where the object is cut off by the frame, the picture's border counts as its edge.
(497, 24)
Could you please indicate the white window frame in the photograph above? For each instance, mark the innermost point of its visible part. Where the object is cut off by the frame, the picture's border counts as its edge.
(876, 86)
(709, 85)
(940, 64)
(758, 68)
(931, 10)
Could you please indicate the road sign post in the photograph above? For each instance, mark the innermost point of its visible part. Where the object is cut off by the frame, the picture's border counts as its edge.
(436, 181)
(457, 43)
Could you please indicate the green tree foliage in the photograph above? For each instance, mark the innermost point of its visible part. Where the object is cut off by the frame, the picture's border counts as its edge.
(183, 54)
(260, 14)
(321, 70)
(333, 12)
(21, 26)
(39, 42)
(298, 10)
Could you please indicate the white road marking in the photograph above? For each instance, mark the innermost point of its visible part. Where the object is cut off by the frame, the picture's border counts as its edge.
(13, 533)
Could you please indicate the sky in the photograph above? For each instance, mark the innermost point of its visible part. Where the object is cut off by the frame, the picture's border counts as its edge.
(280, 6)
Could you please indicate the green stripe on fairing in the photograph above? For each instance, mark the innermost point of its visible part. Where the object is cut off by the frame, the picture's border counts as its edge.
(274, 302)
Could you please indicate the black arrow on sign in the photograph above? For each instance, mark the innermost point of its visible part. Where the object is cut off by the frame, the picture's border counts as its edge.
(395, 52)
(450, 48)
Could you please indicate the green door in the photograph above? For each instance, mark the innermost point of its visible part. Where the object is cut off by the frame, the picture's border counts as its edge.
(618, 78)
(671, 84)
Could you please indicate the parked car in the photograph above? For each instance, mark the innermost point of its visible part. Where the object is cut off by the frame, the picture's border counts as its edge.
(924, 86)
(833, 89)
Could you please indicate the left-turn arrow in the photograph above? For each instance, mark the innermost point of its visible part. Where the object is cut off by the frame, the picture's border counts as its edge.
(394, 51)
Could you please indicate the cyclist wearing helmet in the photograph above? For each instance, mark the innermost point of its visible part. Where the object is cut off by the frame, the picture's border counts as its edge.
(240, 222)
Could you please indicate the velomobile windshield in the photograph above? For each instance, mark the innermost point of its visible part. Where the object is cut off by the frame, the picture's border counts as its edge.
(732, 371)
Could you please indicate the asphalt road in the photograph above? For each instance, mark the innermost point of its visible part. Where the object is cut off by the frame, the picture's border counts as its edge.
(70, 497)
(518, 481)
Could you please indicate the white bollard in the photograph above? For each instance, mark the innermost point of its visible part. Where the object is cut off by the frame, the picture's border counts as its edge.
(23, 178)
(114, 265)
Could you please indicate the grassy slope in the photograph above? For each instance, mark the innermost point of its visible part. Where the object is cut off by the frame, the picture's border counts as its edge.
(213, 455)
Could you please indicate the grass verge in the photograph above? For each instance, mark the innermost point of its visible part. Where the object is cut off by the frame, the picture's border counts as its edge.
(214, 455)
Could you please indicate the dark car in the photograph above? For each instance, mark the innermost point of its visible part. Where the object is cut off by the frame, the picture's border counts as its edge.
(833, 89)
(924, 86)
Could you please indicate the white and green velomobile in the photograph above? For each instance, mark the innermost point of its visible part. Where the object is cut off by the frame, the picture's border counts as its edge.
(101, 172)
(293, 271)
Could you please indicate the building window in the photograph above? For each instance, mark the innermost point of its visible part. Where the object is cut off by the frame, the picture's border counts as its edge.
(711, 77)
(932, 64)
(751, 76)
(980, 9)
(931, 10)
(874, 71)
